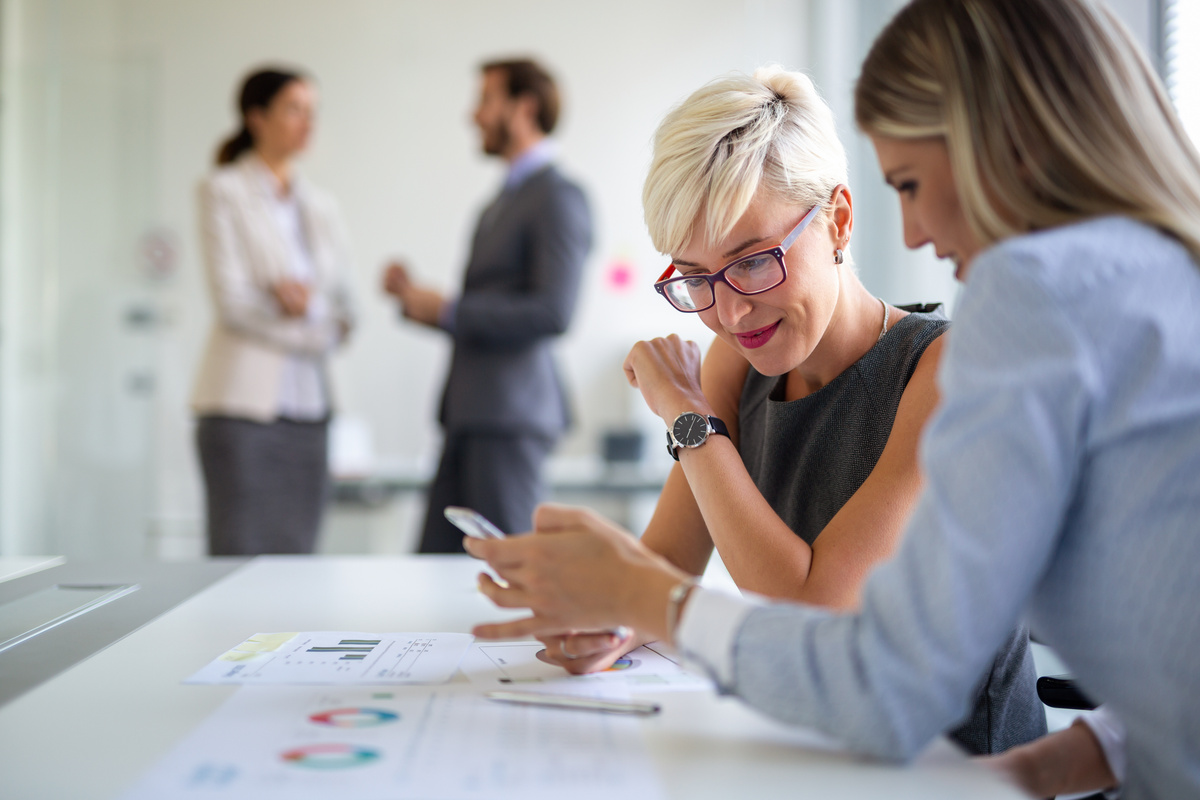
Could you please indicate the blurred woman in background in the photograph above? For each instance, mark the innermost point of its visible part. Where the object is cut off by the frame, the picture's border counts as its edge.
(277, 261)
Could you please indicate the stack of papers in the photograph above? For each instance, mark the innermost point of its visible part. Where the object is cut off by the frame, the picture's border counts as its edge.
(448, 743)
(306, 725)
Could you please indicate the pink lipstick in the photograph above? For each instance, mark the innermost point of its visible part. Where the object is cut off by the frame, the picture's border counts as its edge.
(757, 338)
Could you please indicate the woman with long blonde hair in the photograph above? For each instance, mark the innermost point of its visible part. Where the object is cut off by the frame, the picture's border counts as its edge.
(1030, 142)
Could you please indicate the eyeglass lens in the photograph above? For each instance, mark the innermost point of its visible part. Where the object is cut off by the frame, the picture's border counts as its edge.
(751, 275)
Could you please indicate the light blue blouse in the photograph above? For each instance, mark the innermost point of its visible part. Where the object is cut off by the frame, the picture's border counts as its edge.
(1062, 485)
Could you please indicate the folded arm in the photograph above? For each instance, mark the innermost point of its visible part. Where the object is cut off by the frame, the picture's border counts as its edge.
(243, 304)
(762, 553)
(711, 497)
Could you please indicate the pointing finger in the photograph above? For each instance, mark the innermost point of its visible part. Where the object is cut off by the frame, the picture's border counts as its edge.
(529, 626)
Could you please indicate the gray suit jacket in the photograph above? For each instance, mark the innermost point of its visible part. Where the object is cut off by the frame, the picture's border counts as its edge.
(519, 293)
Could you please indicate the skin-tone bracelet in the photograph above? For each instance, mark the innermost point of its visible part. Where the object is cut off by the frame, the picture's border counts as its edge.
(675, 600)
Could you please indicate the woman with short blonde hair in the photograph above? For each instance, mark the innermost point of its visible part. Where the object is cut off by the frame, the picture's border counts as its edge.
(821, 388)
(734, 138)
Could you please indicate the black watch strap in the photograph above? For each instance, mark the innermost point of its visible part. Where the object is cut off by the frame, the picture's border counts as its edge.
(716, 425)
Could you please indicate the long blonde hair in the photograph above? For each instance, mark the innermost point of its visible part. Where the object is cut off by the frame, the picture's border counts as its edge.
(731, 139)
(1050, 111)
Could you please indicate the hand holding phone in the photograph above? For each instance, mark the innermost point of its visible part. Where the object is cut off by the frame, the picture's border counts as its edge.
(477, 526)
(472, 523)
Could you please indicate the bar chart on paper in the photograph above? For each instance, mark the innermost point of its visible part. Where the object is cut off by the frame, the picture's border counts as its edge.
(325, 657)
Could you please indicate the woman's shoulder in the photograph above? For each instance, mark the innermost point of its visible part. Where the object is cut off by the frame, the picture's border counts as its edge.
(929, 357)
(916, 363)
(224, 179)
(918, 343)
(1080, 256)
(921, 318)
(921, 325)
(1095, 233)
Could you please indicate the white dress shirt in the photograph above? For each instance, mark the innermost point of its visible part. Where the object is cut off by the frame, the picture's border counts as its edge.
(302, 394)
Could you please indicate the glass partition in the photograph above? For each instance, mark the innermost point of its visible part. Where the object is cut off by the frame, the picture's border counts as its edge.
(81, 262)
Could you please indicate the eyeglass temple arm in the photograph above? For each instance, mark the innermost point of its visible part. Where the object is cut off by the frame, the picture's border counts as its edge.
(796, 231)
(785, 244)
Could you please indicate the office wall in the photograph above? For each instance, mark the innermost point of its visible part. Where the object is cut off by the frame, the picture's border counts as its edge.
(394, 145)
(115, 108)
(398, 82)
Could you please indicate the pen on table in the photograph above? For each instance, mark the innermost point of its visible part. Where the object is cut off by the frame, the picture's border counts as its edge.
(573, 702)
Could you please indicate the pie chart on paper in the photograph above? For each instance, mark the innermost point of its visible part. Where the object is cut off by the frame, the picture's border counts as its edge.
(331, 755)
(354, 717)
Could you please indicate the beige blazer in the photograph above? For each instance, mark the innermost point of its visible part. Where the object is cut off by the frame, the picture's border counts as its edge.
(244, 256)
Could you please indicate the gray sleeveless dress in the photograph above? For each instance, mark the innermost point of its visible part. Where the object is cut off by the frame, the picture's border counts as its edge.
(809, 456)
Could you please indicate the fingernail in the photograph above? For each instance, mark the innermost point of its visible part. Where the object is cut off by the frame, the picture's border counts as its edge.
(622, 633)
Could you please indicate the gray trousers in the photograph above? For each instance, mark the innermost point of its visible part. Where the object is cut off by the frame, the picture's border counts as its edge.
(498, 475)
(266, 484)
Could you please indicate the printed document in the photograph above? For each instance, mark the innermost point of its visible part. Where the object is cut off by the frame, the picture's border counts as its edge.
(391, 743)
(523, 665)
(339, 657)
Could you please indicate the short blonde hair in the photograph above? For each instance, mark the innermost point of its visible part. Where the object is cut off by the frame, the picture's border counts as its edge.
(737, 136)
(1050, 112)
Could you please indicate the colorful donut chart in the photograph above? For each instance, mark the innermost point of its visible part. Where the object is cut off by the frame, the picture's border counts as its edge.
(354, 717)
(330, 756)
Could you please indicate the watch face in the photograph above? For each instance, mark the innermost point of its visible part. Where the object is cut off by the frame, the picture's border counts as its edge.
(690, 429)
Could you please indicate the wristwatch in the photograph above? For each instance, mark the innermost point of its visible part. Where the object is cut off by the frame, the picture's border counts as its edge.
(692, 430)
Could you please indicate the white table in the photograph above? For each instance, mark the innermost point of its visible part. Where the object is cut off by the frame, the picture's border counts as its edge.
(92, 730)
(17, 566)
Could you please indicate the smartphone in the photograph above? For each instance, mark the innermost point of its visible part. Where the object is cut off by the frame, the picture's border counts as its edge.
(472, 523)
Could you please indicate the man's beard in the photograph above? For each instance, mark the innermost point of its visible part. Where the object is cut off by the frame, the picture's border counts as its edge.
(496, 139)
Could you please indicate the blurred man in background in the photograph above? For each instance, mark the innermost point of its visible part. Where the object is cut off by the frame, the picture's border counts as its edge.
(503, 407)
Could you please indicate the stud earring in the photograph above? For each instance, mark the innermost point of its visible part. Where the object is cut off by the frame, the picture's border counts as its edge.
(838, 257)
